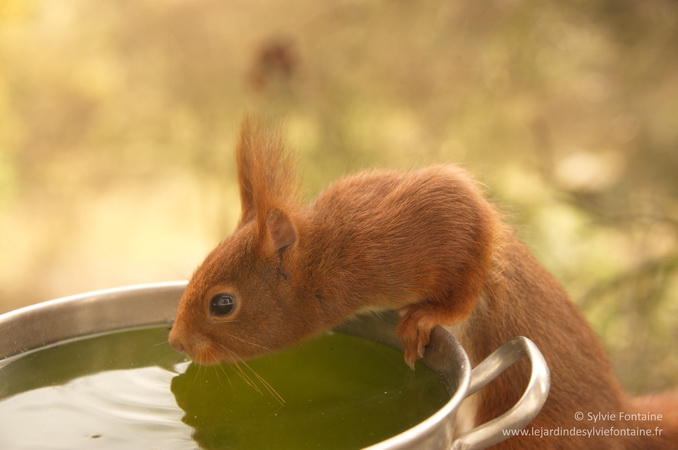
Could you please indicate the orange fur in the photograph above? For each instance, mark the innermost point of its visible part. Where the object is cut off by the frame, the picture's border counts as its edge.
(424, 242)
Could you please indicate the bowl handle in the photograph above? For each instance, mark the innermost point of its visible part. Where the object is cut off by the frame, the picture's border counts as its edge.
(526, 409)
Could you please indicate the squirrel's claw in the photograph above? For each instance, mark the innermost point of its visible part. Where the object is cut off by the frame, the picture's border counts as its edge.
(414, 330)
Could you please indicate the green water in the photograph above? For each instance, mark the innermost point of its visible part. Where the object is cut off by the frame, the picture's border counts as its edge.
(131, 390)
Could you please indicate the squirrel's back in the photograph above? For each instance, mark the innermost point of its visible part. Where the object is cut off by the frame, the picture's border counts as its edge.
(424, 232)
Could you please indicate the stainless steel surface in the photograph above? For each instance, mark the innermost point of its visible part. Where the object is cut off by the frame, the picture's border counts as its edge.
(104, 311)
(90, 313)
(529, 405)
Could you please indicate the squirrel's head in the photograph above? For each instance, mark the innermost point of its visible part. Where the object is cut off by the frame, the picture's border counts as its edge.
(240, 302)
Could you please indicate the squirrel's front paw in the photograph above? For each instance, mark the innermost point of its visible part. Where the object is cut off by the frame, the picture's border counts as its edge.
(414, 330)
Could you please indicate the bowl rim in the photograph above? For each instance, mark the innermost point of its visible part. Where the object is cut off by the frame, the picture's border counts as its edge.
(34, 327)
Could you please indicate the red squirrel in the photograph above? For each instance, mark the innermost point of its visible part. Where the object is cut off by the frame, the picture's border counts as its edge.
(428, 244)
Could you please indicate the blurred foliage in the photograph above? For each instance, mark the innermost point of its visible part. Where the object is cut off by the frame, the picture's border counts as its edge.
(117, 121)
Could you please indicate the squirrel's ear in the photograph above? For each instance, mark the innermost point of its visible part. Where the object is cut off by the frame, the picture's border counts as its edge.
(282, 230)
(247, 211)
(246, 171)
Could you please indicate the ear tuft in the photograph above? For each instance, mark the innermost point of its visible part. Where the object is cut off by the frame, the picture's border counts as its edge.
(247, 169)
(282, 230)
(265, 172)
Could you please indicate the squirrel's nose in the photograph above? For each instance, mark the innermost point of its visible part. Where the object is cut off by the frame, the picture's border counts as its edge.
(178, 346)
(175, 342)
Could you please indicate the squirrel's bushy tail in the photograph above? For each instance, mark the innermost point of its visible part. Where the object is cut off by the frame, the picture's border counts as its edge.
(657, 413)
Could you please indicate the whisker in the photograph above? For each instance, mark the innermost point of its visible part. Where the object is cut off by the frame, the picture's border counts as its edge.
(216, 372)
(265, 383)
(279, 398)
(197, 373)
(227, 377)
(249, 342)
(164, 340)
(160, 343)
(240, 371)
(247, 378)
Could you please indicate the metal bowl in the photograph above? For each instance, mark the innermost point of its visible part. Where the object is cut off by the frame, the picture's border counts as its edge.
(109, 310)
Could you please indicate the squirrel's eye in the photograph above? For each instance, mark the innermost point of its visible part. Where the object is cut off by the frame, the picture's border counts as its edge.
(222, 304)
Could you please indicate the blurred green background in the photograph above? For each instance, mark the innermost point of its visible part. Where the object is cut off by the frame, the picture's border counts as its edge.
(118, 119)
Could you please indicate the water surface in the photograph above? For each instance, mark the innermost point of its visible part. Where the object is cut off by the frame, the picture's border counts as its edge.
(130, 389)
